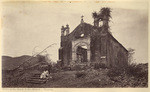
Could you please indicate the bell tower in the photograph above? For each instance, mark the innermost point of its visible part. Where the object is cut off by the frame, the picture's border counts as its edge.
(102, 16)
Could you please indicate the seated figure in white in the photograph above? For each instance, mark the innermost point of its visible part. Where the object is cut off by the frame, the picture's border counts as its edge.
(44, 75)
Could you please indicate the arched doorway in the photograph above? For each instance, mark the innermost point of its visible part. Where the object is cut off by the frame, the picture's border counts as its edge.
(81, 53)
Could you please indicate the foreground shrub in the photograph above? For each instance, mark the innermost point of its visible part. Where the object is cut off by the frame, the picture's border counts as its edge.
(66, 68)
(80, 67)
(99, 65)
(132, 75)
(115, 71)
(138, 71)
(134, 70)
(80, 74)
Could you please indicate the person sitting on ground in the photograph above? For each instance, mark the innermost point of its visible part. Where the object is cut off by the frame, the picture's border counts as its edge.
(44, 75)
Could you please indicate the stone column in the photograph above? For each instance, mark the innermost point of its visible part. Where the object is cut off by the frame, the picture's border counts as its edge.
(73, 56)
(88, 55)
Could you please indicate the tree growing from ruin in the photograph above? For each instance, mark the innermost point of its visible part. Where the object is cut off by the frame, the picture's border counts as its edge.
(103, 15)
(103, 12)
(131, 52)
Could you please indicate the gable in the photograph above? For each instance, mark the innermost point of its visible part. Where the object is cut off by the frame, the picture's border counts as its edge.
(82, 30)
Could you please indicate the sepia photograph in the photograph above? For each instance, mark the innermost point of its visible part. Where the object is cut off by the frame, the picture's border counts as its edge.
(74, 44)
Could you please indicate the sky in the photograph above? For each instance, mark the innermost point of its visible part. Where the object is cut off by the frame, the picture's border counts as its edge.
(29, 27)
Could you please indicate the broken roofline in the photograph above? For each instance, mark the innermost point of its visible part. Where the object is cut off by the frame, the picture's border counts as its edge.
(97, 28)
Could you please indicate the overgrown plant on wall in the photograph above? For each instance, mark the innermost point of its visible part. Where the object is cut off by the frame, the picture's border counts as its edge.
(103, 12)
(131, 52)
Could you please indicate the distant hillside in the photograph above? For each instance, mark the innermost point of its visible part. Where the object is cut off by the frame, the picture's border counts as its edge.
(6, 58)
(10, 63)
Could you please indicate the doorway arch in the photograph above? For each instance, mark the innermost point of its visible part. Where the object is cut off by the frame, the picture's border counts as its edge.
(81, 52)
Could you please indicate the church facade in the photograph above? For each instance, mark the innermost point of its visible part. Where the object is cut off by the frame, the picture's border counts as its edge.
(89, 44)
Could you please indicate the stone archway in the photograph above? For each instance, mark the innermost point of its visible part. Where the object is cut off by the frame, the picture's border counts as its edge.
(79, 52)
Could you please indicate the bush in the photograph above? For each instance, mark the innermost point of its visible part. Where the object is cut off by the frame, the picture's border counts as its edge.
(133, 70)
(54, 69)
(137, 71)
(115, 71)
(80, 74)
(99, 65)
(66, 68)
(80, 67)
(41, 58)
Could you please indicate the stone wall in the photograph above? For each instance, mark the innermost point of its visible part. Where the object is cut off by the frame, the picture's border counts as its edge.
(117, 55)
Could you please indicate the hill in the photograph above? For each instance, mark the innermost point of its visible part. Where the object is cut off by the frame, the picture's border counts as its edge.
(10, 63)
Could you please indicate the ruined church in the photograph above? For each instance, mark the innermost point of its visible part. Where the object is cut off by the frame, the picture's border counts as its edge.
(91, 44)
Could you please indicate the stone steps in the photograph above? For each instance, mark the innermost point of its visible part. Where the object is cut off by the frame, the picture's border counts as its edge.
(35, 79)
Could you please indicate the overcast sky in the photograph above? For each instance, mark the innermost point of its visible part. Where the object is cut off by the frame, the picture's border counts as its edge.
(26, 25)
